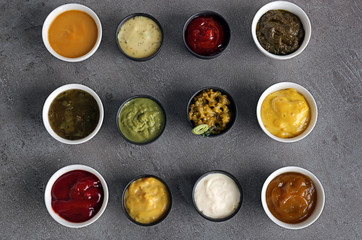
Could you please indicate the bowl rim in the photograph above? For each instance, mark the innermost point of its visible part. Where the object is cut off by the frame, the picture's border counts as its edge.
(64, 8)
(163, 216)
(233, 105)
(237, 184)
(308, 97)
(290, 7)
(141, 96)
(59, 173)
(124, 20)
(320, 198)
(51, 98)
(222, 21)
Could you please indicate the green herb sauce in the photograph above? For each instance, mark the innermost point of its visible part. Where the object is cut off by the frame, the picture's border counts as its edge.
(280, 32)
(73, 114)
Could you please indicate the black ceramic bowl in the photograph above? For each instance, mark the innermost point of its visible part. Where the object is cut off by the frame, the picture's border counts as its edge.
(233, 109)
(140, 96)
(237, 184)
(224, 24)
(158, 220)
(136, 15)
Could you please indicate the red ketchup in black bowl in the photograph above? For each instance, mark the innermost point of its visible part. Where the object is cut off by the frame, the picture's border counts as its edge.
(77, 196)
(206, 34)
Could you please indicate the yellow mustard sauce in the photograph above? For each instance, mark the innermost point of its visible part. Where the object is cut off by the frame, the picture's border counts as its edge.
(285, 113)
(147, 200)
(140, 37)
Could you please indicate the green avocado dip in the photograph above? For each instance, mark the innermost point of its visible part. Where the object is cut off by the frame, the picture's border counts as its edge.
(141, 120)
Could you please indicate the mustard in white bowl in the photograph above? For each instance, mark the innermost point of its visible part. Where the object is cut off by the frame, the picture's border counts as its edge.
(285, 113)
(290, 118)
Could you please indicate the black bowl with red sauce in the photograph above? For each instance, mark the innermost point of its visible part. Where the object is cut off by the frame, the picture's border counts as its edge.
(206, 34)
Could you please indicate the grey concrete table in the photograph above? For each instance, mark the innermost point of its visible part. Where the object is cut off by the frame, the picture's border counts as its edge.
(330, 68)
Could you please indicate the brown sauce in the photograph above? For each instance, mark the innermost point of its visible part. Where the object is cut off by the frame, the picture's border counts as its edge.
(280, 32)
(73, 114)
(291, 197)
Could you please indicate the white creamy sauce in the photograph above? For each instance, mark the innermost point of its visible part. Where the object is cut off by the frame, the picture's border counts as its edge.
(217, 195)
(140, 37)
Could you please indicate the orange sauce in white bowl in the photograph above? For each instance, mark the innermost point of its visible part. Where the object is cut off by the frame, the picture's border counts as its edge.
(73, 34)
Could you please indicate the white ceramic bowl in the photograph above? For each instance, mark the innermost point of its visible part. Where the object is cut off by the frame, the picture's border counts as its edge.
(307, 95)
(56, 12)
(290, 7)
(48, 197)
(49, 101)
(320, 198)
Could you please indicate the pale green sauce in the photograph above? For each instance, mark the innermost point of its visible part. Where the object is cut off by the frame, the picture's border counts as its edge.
(141, 120)
(140, 37)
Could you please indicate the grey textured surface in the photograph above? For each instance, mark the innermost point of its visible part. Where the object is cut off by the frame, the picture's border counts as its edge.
(330, 68)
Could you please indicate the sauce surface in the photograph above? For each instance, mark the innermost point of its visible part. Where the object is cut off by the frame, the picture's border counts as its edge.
(285, 113)
(212, 108)
(141, 120)
(147, 200)
(280, 32)
(77, 196)
(140, 37)
(74, 114)
(217, 195)
(205, 35)
(73, 34)
(291, 197)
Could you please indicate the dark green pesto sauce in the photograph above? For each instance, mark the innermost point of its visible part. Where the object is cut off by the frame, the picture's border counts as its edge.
(73, 114)
(280, 32)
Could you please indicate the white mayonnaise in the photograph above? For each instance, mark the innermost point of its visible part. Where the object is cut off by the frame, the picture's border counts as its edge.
(217, 195)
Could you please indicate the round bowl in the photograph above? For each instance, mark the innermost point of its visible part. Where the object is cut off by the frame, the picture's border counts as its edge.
(136, 15)
(134, 97)
(307, 95)
(290, 7)
(49, 101)
(237, 184)
(48, 197)
(223, 22)
(233, 109)
(320, 198)
(124, 205)
(64, 8)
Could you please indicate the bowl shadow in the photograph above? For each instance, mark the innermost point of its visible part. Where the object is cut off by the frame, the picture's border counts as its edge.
(38, 177)
(111, 106)
(109, 43)
(181, 189)
(247, 102)
(32, 24)
(176, 108)
(173, 34)
(116, 187)
(34, 103)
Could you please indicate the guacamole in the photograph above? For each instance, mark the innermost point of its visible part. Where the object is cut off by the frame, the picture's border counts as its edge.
(141, 120)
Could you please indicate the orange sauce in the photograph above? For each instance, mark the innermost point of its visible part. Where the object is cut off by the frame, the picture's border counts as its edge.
(73, 34)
